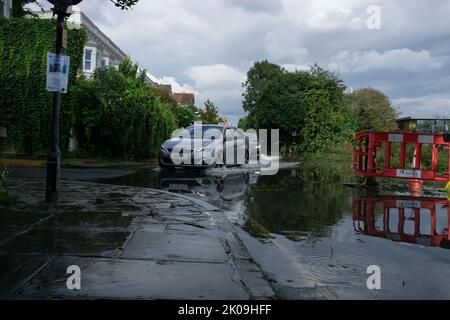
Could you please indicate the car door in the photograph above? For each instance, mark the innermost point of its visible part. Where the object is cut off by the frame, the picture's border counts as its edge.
(240, 146)
(234, 147)
(229, 147)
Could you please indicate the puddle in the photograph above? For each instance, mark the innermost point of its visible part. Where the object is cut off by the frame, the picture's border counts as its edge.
(304, 228)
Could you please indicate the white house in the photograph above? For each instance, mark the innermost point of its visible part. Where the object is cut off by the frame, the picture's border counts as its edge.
(99, 50)
(5, 8)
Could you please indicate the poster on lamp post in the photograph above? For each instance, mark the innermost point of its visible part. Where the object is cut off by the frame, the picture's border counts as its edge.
(57, 72)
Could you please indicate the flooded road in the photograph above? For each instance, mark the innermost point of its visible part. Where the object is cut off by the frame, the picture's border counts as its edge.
(307, 230)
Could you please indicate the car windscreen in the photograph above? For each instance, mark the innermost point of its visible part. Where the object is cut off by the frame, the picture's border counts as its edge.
(204, 129)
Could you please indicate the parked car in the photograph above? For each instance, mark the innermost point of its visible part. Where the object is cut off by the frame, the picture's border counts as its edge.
(199, 148)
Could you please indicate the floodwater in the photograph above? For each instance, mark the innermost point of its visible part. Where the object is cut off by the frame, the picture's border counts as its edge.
(307, 230)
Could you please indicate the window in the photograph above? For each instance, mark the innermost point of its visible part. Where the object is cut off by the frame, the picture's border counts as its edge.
(98, 60)
(88, 60)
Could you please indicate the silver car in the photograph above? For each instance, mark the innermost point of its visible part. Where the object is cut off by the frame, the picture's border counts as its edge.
(207, 145)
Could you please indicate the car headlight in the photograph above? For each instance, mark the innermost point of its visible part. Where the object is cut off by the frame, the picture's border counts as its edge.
(163, 148)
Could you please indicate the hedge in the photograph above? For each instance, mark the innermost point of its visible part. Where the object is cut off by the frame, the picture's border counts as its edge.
(119, 116)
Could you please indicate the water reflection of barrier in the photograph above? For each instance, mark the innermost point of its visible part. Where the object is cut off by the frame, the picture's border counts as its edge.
(419, 156)
(419, 213)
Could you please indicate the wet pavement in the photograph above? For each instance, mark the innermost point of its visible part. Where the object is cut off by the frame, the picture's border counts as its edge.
(130, 243)
(311, 235)
(315, 237)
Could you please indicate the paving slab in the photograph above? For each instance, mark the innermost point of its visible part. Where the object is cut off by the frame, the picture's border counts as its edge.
(15, 270)
(131, 279)
(130, 243)
(175, 247)
(185, 229)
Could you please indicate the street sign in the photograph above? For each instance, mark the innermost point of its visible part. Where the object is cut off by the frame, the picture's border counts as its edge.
(57, 72)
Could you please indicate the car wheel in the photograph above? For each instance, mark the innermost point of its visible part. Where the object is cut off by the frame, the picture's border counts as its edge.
(247, 156)
(164, 166)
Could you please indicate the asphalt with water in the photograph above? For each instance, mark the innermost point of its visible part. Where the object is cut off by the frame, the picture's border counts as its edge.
(303, 229)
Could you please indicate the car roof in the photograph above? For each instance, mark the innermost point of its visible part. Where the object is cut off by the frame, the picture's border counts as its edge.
(214, 125)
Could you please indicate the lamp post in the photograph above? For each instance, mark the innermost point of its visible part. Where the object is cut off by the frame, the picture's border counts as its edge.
(54, 154)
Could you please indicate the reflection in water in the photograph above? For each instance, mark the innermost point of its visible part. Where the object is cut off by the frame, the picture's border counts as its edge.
(417, 220)
(298, 202)
(225, 190)
(222, 190)
(305, 220)
(285, 204)
(305, 203)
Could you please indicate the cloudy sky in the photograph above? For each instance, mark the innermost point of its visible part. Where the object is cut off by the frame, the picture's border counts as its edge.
(208, 46)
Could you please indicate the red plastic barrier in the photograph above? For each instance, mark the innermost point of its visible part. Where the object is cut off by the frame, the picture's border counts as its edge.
(366, 210)
(374, 155)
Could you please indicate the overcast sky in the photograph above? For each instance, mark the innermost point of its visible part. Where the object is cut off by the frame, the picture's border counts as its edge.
(208, 46)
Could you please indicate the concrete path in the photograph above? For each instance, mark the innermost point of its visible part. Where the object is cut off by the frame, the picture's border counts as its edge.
(129, 243)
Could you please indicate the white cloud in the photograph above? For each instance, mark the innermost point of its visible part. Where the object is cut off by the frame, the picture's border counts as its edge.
(285, 46)
(220, 83)
(295, 67)
(207, 46)
(427, 106)
(258, 6)
(332, 20)
(218, 76)
(178, 87)
(398, 59)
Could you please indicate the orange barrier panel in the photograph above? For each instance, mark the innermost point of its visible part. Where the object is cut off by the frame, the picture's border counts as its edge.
(401, 155)
(405, 208)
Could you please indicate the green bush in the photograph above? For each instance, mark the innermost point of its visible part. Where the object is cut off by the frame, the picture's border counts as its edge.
(25, 105)
(372, 110)
(4, 171)
(119, 116)
(306, 106)
(186, 115)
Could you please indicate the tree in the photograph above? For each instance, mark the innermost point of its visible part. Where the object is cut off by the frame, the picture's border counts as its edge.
(124, 4)
(19, 10)
(246, 123)
(306, 106)
(118, 115)
(186, 115)
(372, 110)
(258, 78)
(223, 121)
(210, 114)
(167, 99)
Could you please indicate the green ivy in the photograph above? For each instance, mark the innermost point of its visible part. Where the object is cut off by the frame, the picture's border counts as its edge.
(25, 105)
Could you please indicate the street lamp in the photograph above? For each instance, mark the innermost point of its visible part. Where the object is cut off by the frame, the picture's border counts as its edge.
(61, 9)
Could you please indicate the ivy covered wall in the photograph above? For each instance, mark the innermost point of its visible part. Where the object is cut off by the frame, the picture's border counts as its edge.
(25, 105)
